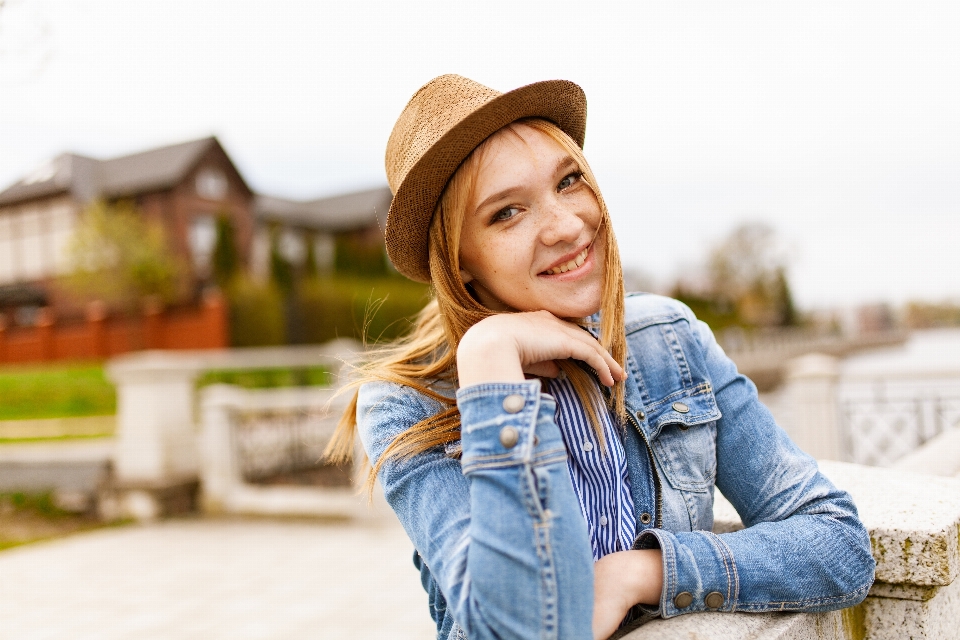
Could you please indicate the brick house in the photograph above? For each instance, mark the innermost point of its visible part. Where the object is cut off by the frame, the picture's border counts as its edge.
(184, 187)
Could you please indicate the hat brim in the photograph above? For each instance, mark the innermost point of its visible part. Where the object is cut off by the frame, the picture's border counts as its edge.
(408, 221)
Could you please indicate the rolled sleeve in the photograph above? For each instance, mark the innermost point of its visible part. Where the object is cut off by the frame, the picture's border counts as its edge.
(498, 530)
(696, 565)
(499, 425)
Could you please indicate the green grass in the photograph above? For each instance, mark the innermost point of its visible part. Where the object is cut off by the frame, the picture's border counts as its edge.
(268, 378)
(78, 390)
(55, 391)
(67, 437)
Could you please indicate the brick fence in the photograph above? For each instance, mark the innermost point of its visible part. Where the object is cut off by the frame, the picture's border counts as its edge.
(101, 336)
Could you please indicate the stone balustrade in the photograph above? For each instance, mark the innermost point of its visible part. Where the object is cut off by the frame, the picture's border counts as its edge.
(305, 414)
(914, 524)
(157, 460)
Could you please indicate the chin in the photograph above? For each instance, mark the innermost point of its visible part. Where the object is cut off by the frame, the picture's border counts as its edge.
(574, 310)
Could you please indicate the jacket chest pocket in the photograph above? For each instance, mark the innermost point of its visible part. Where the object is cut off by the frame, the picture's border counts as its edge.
(685, 444)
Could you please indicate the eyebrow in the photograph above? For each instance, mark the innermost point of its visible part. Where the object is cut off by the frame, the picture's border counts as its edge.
(564, 162)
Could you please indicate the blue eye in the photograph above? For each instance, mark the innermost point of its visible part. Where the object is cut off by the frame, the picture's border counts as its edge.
(505, 214)
(569, 181)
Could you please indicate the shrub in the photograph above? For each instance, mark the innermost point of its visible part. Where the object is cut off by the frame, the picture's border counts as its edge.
(256, 314)
(226, 257)
(357, 255)
(371, 309)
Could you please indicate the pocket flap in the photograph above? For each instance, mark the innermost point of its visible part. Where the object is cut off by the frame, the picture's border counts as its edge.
(685, 407)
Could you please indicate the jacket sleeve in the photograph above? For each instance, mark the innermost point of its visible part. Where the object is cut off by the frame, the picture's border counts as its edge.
(803, 548)
(499, 530)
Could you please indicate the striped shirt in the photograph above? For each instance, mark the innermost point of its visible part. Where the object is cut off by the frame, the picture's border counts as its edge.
(599, 474)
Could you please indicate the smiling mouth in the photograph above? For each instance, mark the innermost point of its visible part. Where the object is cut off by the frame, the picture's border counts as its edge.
(572, 264)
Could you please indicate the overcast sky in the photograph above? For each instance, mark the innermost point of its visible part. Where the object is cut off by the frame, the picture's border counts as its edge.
(836, 122)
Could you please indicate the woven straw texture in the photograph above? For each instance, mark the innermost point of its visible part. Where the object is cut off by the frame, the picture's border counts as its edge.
(443, 122)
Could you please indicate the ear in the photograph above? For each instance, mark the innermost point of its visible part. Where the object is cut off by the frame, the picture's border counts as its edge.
(465, 276)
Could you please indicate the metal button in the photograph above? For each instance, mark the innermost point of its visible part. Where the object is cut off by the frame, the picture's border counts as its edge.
(683, 600)
(588, 446)
(645, 518)
(679, 407)
(641, 416)
(603, 521)
(714, 600)
(683, 427)
(509, 437)
(513, 404)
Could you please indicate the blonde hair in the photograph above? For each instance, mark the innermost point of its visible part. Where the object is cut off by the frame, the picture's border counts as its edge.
(429, 352)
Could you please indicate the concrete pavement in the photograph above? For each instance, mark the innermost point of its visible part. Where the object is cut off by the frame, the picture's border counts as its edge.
(216, 578)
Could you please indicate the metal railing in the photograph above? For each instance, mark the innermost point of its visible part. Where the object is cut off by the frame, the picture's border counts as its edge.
(878, 431)
(284, 446)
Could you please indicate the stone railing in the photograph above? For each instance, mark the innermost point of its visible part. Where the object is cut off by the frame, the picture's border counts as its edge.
(249, 434)
(157, 461)
(873, 418)
(914, 524)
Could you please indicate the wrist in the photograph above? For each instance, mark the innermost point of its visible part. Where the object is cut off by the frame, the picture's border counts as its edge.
(483, 356)
(644, 581)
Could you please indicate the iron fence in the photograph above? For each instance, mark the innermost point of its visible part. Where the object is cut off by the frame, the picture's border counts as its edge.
(879, 430)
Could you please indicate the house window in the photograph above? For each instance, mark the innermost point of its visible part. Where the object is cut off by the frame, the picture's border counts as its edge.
(211, 184)
(292, 247)
(203, 235)
(7, 251)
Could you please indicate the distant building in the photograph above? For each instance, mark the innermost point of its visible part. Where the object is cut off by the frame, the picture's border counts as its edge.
(184, 187)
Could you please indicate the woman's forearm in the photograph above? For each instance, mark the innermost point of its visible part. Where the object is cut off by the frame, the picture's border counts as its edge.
(622, 580)
(500, 530)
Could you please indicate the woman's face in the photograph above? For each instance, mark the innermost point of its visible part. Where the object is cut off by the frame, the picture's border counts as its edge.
(530, 236)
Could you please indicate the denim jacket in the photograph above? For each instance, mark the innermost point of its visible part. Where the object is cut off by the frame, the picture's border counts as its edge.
(501, 543)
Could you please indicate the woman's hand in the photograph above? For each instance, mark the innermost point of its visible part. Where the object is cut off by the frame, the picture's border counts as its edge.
(621, 580)
(503, 347)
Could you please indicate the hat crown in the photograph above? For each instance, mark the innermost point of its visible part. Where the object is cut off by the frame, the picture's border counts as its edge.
(432, 112)
(444, 121)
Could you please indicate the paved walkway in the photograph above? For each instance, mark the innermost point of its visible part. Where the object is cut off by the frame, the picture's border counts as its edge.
(211, 579)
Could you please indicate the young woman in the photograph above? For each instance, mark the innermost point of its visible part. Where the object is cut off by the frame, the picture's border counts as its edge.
(550, 445)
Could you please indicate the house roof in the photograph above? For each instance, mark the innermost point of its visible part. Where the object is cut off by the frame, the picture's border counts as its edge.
(88, 178)
(337, 213)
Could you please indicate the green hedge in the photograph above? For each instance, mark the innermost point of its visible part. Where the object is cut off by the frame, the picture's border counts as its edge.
(256, 314)
(320, 309)
(268, 378)
(375, 309)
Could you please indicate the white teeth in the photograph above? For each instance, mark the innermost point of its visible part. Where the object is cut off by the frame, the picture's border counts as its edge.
(573, 264)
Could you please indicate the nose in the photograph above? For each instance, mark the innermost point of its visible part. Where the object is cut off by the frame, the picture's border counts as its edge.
(561, 224)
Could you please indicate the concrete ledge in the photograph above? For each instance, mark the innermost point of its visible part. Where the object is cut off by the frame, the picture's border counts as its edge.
(914, 525)
(74, 471)
(832, 625)
(939, 456)
(913, 519)
(897, 618)
(145, 501)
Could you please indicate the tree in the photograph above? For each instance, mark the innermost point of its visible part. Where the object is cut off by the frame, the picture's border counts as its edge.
(120, 258)
(281, 270)
(226, 258)
(747, 273)
(744, 284)
(310, 267)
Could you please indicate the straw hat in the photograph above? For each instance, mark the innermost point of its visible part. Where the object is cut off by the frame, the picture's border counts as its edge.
(443, 122)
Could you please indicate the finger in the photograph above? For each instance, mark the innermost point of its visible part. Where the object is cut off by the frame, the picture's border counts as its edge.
(545, 369)
(599, 359)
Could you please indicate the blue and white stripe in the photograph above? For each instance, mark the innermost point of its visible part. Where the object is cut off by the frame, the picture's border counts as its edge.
(599, 474)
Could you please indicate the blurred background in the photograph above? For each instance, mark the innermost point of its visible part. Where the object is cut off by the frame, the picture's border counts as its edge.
(203, 175)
